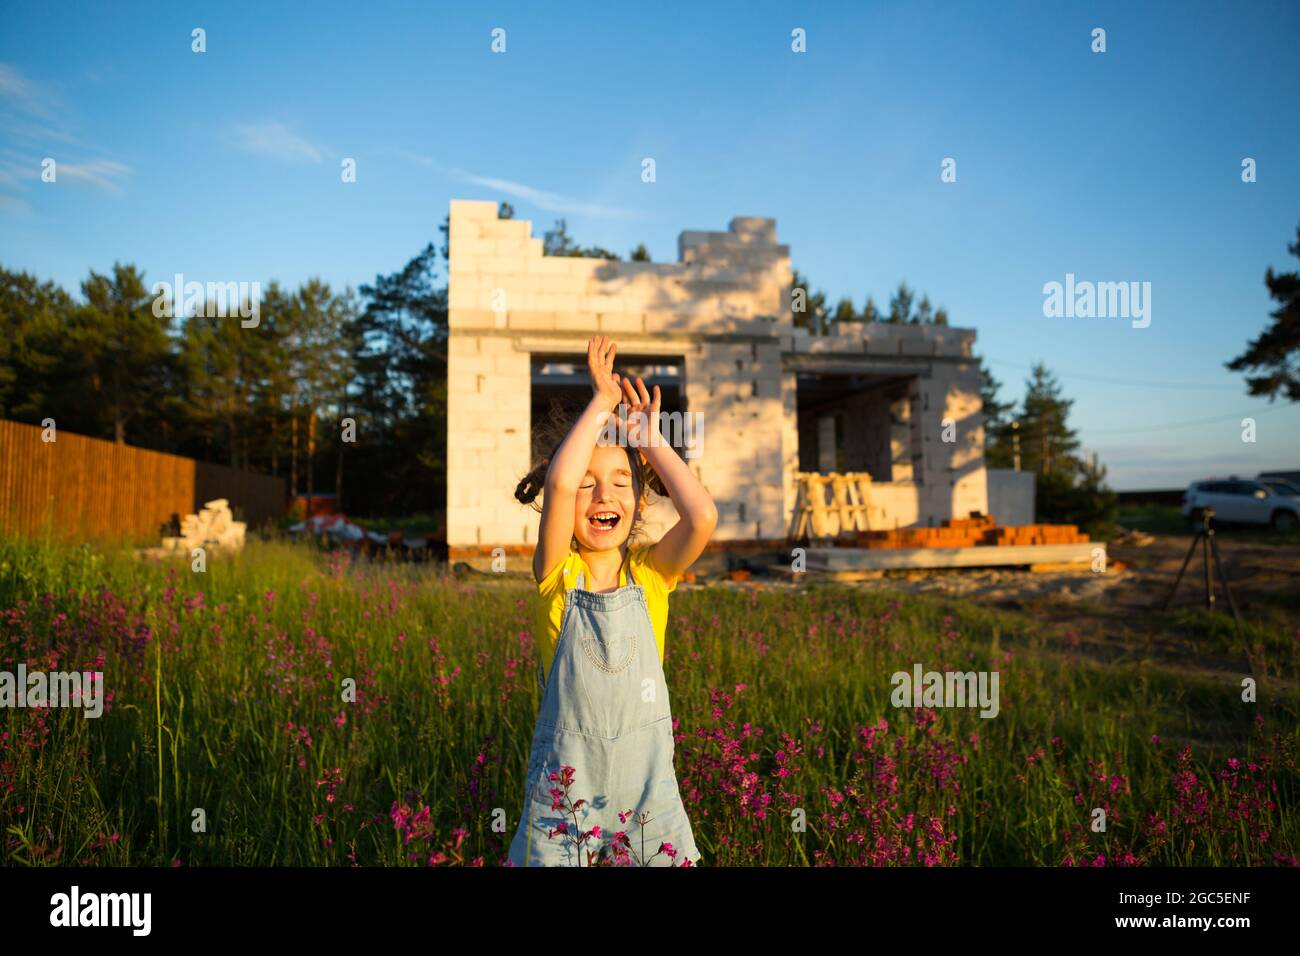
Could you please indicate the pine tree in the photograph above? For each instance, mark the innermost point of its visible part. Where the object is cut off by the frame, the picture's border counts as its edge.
(1047, 444)
(273, 394)
(37, 356)
(400, 393)
(1276, 350)
(813, 314)
(325, 351)
(222, 372)
(844, 311)
(557, 242)
(1067, 489)
(924, 314)
(900, 306)
(127, 349)
(999, 451)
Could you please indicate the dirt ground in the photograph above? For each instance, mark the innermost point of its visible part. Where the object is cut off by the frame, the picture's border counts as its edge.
(1136, 576)
(1117, 615)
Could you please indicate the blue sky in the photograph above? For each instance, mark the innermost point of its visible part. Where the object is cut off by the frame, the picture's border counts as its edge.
(1115, 166)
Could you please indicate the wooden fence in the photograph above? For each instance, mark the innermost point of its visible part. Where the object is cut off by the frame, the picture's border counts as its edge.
(83, 487)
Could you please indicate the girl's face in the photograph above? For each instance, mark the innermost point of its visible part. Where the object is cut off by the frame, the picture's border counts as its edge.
(606, 502)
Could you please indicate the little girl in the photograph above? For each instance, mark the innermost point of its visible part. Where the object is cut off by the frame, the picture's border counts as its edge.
(605, 708)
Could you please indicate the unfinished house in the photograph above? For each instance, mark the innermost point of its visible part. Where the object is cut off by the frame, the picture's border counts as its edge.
(775, 404)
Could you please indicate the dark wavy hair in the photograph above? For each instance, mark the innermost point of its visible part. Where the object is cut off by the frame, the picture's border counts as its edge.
(547, 439)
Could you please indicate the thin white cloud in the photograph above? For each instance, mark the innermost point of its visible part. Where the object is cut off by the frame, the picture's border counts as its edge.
(34, 115)
(275, 141)
(17, 171)
(100, 173)
(30, 112)
(416, 158)
(12, 204)
(22, 93)
(12, 171)
(541, 198)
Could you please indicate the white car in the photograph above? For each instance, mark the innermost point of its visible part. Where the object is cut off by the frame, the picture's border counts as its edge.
(1260, 501)
(1280, 485)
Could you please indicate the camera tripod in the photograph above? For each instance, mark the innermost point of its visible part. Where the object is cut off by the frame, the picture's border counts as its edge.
(1209, 547)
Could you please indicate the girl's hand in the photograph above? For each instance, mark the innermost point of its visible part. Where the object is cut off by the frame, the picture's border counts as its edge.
(604, 380)
(643, 428)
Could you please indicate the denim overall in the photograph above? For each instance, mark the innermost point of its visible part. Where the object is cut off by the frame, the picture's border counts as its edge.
(605, 713)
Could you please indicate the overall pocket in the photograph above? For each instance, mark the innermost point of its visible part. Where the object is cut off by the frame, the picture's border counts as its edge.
(533, 789)
(612, 653)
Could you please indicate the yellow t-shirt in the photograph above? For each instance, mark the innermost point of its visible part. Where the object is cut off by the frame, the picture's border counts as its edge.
(564, 576)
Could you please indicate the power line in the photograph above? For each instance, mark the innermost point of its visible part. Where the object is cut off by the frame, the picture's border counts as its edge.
(1169, 425)
(1109, 380)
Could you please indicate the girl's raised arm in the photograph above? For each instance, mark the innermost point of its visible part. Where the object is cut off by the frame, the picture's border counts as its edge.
(572, 458)
(697, 514)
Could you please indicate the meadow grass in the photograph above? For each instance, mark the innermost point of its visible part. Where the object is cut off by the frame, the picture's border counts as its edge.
(227, 739)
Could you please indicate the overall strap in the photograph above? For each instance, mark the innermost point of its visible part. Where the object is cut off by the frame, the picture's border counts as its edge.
(579, 585)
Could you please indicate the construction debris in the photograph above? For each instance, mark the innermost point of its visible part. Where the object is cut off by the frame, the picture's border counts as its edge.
(337, 529)
(214, 527)
(337, 526)
(1137, 539)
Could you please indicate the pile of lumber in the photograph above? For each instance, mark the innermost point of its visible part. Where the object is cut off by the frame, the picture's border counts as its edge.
(213, 527)
(982, 531)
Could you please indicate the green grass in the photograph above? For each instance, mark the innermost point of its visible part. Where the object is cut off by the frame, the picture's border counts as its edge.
(1168, 519)
(1153, 519)
(232, 705)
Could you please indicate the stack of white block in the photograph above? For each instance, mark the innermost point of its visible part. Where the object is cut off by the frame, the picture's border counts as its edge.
(212, 527)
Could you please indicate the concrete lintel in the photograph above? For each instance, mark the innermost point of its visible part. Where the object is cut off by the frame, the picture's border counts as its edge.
(851, 364)
(653, 343)
(640, 342)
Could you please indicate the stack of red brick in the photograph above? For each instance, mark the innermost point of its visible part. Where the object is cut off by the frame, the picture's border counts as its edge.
(967, 533)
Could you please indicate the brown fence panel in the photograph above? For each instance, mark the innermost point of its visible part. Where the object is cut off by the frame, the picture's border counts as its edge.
(254, 498)
(83, 487)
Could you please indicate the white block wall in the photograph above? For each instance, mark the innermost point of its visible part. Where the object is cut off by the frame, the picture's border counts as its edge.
(724, 307)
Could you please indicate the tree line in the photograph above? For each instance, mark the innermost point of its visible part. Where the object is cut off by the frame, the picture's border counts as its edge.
(904, 308)
(276, 398)
(271, 399)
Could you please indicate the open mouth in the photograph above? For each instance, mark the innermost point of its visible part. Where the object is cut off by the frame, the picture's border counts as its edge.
(603, 522)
